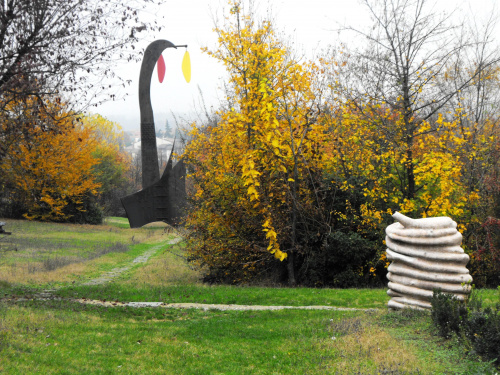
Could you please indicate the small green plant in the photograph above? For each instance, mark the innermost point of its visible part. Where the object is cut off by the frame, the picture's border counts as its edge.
(447, 313)
(4, 284)
(477, 328)
(474, 300)
(482, 330)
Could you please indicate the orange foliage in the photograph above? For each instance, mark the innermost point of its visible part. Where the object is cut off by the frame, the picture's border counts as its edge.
(50, 165)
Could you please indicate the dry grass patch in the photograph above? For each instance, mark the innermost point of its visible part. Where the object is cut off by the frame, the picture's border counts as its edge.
(38, 253)
(373, 349)
(168, 267)
(358, 345)
(36, 273)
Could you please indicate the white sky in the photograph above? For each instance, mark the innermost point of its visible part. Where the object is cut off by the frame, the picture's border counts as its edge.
(310, 24)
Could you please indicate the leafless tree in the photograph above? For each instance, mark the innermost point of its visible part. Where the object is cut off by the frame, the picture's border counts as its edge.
(409, 48)
(479, 102)
(62, 50)
(56, 46)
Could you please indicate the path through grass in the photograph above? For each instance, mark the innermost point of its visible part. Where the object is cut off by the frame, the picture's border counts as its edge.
(64, 337)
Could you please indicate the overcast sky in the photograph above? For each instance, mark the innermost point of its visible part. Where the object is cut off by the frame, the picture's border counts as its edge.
(311, 25)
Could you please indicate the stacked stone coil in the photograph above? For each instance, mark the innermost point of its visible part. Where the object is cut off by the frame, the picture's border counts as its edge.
(425, 254)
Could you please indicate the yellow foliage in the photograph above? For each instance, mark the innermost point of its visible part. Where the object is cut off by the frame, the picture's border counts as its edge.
(259, 146)
(252, 170)
(359, 149)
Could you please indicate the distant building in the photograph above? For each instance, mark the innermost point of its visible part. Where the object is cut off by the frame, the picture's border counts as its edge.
(163, 145)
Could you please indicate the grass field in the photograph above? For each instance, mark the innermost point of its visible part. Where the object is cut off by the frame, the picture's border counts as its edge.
(64, 337)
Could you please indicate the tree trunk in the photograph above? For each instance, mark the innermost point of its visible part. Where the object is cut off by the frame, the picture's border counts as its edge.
(291, 255)
(290, 268)
(410, 174)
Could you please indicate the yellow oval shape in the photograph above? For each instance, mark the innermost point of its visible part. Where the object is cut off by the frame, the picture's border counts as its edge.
(186, 67)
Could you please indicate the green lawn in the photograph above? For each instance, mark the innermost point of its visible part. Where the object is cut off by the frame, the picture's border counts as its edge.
(64, 337)
(358, 298)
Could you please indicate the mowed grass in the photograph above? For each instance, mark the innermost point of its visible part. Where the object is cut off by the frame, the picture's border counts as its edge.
(64, 337)
(220, 294)
(68, 338)
(168, 278)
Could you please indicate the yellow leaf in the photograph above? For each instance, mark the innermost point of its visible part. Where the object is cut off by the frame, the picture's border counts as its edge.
(186, 67)
(251, 190)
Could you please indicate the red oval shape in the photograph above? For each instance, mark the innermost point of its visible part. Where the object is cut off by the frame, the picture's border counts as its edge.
(160, 66)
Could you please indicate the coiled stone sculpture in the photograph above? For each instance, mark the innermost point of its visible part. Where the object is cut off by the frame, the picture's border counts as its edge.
(425, 255)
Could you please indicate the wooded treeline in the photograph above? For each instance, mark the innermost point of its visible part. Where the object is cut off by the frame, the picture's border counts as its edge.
(57, 162)
(295, 177)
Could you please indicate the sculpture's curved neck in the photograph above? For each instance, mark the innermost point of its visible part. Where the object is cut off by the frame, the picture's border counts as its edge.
(149, 153)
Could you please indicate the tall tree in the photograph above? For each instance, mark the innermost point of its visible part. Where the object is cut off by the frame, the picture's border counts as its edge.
(114, 165)
(48, 172)
(257, 160)
(168, 130)
(409, 48)
(64, 49)
(48, 45)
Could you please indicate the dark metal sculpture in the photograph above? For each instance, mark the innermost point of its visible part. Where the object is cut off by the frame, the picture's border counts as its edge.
(164, 200)
(161, 199)
(2, 231)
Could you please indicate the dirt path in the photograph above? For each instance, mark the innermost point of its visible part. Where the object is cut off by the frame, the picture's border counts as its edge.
(115, 272)
(188, 305)
(207, 306)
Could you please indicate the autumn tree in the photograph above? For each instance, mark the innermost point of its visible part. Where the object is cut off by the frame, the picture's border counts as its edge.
(47, 173)
(253, 169)
(63, 166)
(64, 49)
(113, 169)
(407, 52)
(414, 115)
(478, 126)
(308, 163)
(478, 122)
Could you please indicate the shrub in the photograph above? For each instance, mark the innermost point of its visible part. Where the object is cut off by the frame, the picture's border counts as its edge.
(87, 212)
(482, 330)
(343, 261)
(485, 254)
(448, 313)
(479, 329)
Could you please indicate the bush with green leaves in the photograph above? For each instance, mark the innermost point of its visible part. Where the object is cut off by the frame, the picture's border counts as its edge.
(477, 328)
(482, 330)
(448, 313)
